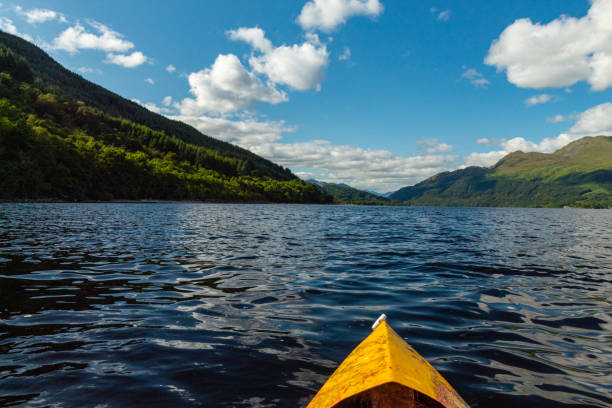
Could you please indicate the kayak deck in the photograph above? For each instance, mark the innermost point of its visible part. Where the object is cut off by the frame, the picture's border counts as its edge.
(390, 395)
(384, 371)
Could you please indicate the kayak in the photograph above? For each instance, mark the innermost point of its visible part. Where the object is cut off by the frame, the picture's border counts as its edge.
(384, 372)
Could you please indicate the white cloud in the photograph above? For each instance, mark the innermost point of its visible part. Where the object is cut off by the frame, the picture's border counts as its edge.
(522, 144)
(313, 38)
(128, 60)
(443, 15)
(559, 118)
(547, 145)
(149, 81)
(6, 25)
(432, 146)
(346, 54)
(326, 15)
(246, 133)
(483, 159)
(88, 70)
(300, 66)
(538, 99)
(558, 54)
(227, 87)
(152, 107)
(475, 77)
(307, 175)
(595, 121)
(78, 38)
(167, 101)
(378, 170)
(506, 146)
(254, 36)
(170, 68)
(37, 15)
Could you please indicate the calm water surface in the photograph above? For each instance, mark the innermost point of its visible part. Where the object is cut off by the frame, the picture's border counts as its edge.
(131, 305)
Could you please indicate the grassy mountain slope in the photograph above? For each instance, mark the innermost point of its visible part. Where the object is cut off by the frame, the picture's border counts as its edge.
(579, 174)
(54, 145)
(346, 193)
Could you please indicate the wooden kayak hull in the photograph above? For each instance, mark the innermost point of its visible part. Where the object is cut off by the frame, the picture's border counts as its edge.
(384, 371)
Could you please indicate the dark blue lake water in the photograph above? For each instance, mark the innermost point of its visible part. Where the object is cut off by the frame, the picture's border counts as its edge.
(132, 305)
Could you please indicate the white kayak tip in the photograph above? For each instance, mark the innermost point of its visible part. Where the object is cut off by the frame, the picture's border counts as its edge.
(378, 321)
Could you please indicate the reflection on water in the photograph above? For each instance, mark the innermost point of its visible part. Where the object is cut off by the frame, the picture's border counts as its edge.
(255, 305)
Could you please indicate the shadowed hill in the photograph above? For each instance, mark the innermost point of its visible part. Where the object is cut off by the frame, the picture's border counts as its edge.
(346, 193)
(579, 174)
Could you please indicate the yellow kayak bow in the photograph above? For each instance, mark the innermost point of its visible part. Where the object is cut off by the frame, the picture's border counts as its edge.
(384, 372)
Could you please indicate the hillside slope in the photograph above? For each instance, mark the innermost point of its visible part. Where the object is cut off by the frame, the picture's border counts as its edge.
(346, 193)
(579, 174)
(68, 84)
(62, 137)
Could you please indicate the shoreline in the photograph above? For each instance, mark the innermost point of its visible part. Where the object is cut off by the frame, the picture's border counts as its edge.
(360, 204)
(143, 201)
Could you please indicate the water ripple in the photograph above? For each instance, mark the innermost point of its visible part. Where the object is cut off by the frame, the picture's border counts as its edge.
(123, 305)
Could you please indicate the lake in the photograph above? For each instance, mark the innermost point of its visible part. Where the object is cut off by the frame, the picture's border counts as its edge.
(222, 305)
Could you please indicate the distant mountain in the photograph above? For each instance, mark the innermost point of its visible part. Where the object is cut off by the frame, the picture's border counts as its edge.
(345, 193)
(387, 194)
(376, 193)
(579, 174)
(63, 137)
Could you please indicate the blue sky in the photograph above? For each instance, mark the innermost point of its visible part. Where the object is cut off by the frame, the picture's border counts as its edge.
(378, 94)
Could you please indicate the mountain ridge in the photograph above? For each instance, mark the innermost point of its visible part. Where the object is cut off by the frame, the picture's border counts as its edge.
(342, 192)
(578, 174)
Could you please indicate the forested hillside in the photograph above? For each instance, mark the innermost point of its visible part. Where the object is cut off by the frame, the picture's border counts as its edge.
(64, 82)
(62, 137)
(347, 194)
(578, 175)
